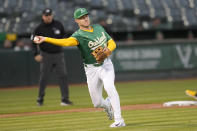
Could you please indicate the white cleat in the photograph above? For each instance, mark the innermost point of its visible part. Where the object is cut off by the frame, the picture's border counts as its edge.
(118, 123)
(63, 104)
(109, 110)
(66, 103)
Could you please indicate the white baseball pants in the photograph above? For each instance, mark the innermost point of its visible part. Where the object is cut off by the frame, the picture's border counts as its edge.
(100, 76)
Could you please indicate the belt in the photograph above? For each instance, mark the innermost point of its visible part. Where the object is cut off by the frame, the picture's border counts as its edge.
(95, 64)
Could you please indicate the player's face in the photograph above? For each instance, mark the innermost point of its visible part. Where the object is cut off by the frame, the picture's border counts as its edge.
(83, 21)
(47, 18)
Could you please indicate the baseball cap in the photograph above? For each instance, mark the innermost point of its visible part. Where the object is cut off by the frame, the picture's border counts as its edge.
(47, 11)
(80, 12)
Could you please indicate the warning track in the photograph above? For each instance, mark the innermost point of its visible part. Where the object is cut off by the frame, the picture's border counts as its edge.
(127, 107)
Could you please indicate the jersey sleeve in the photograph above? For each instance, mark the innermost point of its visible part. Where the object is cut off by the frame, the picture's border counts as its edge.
(62, 42)
(111, 45)
(75, 36)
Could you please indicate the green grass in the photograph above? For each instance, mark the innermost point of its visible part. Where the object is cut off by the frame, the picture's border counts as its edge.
(136, 120)
(146, 92)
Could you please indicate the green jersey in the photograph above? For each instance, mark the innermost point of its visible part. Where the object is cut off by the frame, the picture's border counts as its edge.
(89, 41)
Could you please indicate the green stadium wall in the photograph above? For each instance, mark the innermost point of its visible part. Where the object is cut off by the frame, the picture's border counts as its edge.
(131, 62)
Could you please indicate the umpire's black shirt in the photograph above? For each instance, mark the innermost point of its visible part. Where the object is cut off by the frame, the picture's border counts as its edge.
(54, 30)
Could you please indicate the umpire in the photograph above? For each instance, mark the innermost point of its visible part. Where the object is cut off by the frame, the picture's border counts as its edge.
(51, 57)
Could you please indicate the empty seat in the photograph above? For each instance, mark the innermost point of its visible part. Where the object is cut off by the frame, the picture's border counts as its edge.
(128, 5)
(157, 4)
(176, 14)
(195, 3)
(191, 17)
(26, 5)
(12, 3)
(98, 15)
(143, 9)
(97, 4)
(112, 6)
(39, 5)
(2, 2)
(128, 8)
(160, 13)
(184, 3)
(81, 2)
(170, 3)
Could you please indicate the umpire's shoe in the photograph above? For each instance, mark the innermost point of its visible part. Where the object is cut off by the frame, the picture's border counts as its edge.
(40, 102)
(66, 103)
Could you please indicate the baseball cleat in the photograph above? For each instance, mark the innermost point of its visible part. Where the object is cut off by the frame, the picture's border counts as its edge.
(192, 94)
(109, 110)
(118, 123)
(40, 102)
(66, 103)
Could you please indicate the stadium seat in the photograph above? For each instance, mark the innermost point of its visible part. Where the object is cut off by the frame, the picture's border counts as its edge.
(176, 14)
(128, 8)
(170, 3)
(129, 13)
(96, 4)
(144, 12)
(184, 3)
(112, 6)
(156, 4)
(191, 17)
(81, 2)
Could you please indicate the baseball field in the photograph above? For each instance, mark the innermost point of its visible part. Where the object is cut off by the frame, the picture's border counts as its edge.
(141, 103)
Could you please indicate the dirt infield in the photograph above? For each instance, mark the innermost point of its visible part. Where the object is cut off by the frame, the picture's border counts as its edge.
(128, 107)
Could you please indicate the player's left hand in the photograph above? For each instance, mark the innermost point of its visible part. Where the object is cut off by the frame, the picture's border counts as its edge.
(103, 55)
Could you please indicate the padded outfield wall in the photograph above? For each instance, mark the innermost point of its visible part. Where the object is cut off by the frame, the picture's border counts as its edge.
(156, 61)
(131, 62)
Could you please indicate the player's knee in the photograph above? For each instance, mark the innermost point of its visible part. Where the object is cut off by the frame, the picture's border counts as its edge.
(109, 86)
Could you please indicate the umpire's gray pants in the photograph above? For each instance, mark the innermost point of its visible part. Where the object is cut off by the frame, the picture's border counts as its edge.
(53, 62)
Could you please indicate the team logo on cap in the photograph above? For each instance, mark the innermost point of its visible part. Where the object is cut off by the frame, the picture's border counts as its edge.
(47, 11)
(82, 10)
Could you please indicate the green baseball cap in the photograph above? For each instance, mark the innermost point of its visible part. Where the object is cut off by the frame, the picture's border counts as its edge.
(80, 12)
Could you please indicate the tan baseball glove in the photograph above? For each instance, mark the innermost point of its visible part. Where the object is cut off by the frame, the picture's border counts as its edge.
(101, 53)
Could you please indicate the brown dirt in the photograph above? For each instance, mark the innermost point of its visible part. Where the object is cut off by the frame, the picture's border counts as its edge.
(127, 107)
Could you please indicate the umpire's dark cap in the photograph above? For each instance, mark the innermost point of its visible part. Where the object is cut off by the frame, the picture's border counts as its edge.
(47, 11)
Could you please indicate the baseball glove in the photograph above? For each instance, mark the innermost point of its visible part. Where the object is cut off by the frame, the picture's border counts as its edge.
(100, 54)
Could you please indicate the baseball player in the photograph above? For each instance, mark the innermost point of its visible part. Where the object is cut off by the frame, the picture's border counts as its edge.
(95, 46)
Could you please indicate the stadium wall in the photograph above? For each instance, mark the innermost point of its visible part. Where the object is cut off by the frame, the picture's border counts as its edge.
(131, 62)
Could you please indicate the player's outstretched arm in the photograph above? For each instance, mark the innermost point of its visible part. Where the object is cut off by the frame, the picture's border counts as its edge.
(71, 41)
